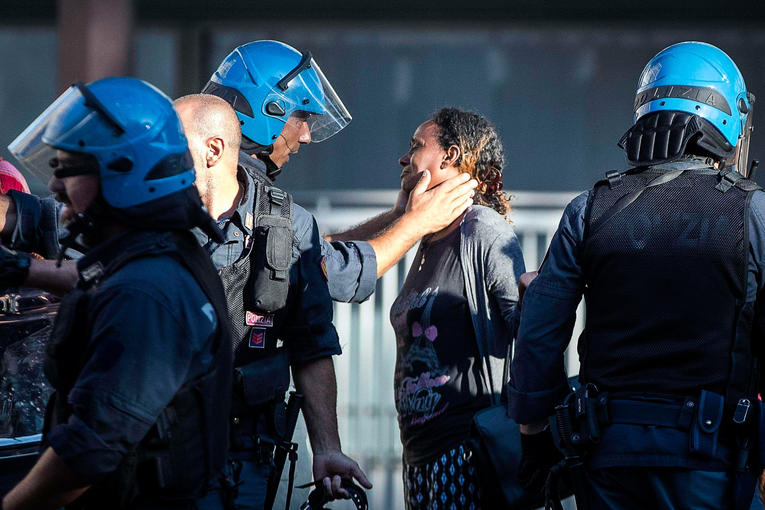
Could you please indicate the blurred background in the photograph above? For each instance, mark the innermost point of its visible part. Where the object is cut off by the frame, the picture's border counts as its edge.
(557, 78)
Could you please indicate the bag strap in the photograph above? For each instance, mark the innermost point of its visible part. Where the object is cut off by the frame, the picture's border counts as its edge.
(483, 352)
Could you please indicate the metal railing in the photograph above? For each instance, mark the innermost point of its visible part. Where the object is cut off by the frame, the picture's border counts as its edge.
(366, 411)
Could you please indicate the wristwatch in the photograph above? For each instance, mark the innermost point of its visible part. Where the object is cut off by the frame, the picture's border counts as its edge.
(14, 269)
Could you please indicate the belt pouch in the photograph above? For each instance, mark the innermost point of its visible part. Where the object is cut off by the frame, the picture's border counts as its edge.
(264, 380)
(705, 428)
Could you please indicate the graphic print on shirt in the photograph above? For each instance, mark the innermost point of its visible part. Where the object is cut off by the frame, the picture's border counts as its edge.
(421, 373)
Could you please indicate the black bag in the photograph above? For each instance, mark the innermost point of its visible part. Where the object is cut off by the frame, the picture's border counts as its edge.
(495, 441)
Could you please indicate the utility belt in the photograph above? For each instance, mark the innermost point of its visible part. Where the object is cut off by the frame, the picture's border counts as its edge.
(713, 430)
(580, 419)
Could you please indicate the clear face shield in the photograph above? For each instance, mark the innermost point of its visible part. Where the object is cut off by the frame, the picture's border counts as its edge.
(308, 91)
(62, 124)
(742, 150)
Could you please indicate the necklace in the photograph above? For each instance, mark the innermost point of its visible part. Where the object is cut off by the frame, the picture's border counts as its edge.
(425, 245)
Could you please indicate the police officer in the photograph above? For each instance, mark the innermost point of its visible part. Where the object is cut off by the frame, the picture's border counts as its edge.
(670, 258)
(278, 323)
(140, 356)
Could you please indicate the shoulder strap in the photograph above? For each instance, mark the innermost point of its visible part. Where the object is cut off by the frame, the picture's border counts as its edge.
(483, 353)
(629, 198)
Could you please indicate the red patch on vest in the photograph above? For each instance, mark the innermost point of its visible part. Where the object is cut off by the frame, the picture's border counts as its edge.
(258, 338)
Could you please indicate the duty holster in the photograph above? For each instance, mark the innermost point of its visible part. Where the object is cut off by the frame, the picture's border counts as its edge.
(576, 428)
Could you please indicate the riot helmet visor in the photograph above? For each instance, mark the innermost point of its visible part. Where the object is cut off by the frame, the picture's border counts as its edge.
(310, 92)
(62, 126)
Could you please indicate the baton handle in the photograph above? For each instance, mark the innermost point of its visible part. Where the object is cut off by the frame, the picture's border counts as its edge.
(284, 446)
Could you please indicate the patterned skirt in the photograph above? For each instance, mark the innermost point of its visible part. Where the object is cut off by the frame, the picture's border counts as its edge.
(448, 483)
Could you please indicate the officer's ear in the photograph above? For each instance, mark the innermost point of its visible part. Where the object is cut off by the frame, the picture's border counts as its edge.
(451, 157)
(215, 147)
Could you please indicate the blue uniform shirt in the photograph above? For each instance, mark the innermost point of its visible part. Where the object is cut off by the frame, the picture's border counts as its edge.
(153, 329)
(538, 377)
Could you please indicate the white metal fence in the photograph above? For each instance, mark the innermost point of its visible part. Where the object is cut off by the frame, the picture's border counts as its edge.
(366, 412)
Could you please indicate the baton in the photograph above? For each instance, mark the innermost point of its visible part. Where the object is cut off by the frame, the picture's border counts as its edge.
(284, 447)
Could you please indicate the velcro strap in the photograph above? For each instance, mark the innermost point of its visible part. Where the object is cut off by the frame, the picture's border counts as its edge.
(276, 197)
(614, 178)
(638, 412)
(728, 179)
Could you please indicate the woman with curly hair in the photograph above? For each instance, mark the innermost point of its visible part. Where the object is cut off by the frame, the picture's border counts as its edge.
(455, 316)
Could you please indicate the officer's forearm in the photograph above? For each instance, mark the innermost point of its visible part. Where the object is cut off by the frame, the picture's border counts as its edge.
(7, 216)
(394, 242)
(367, 230)
(50, 484)
(315, 379)
(43, 274)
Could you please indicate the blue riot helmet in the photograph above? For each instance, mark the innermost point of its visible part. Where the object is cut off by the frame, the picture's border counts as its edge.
(268, 83)
(134, 138)
(690, 97)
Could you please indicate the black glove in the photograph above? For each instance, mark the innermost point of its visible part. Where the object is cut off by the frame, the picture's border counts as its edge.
(14, 267)
(539, 454)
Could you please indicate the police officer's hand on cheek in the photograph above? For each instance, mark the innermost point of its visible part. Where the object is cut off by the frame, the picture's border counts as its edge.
(438, 207)
(332, 467)
(539, 454)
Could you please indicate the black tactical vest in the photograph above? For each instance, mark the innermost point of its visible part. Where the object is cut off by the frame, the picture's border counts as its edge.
(257, 286)
(187, 445)
(665, 263)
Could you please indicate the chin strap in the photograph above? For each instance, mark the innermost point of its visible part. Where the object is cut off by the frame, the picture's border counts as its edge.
(82, 223)
(271, 169)
(263, 153)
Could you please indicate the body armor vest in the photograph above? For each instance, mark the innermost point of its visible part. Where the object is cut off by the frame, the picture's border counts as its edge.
(256, 287)
(186, 447)
(665, 262)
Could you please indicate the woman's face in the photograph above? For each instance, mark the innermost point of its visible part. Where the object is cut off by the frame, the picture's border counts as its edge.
(425, 153)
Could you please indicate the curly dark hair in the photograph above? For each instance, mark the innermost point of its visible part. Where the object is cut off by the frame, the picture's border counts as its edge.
(481, 153)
